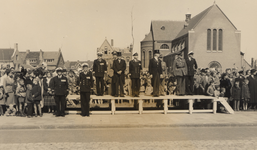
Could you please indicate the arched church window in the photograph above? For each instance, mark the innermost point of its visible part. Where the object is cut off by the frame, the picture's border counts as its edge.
(164, 46)
(214, 39)
(209, 39)
(220, 39)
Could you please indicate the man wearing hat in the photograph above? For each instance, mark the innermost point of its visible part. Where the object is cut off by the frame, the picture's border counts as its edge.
(85, 82)
(119, 67)
(99, 68)
(135, 68)
(110, 73)
(155, 71)
(180, 71)
(191, 67)
(252, 88)
(59, 86)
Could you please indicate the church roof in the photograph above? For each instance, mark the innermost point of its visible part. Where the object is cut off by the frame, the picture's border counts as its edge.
(6, 54)
(165, 30)
(196, 19)
(148, 37)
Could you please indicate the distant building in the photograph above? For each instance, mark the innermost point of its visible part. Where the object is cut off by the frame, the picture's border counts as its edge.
(6, 57)
(31, 59)
(74, 65)
(213, 38)
(106, 49)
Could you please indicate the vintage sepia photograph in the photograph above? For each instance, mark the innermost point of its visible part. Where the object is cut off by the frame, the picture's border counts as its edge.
(128, 75)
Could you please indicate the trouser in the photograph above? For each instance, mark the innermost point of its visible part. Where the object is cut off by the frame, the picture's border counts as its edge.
(60, 101)
(135, 86)
(30, 109)
(113, 87)
(100, 85)
(85, 99)
(119, 82)
(189, 84)
(181, 85)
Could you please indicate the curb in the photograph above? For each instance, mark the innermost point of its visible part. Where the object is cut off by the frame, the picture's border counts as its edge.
(86, 126)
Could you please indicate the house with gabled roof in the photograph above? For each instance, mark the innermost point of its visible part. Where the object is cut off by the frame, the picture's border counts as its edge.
(162, 32)
(214, 39)
(33, 59)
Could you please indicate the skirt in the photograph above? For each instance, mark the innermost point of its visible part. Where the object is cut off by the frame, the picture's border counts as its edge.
(10, 99)
(49, 101)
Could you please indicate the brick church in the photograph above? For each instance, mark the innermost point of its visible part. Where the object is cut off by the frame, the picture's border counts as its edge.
(214, 39)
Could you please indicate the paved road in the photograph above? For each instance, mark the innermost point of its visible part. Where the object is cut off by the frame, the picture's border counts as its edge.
(132, 138)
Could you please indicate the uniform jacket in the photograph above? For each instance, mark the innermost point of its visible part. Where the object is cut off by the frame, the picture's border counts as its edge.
(155, 66)
(99, 67)
(59, 85)
(180, 67)
(134, 68)
(85, 81)
(191, 66)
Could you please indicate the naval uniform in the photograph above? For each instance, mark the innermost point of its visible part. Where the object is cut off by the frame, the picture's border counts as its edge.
(59, 84)
(191, 67)
(119, 79)
(99, 68)
(134, 69)
(85, 82)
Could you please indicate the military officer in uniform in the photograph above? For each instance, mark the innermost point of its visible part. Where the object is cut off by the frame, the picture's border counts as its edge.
(119, 67)
(180, 71)
(191, 67)
(155, 71)
(99, 68)
(135, 68)
(59, 86)
(85, 82)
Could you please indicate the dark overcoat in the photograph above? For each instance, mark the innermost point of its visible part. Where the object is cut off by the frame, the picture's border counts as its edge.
(134, 68)
(119, 66)
(99, 67)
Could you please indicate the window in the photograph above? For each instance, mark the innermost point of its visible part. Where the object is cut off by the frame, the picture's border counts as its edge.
(143, 58)
(163, 28)
(105, 50)
(48, 60)
(209, 39)
(33, 60)
(17, 56)
(150, 55)
(220, 39)
(164, 46)
(214, 39)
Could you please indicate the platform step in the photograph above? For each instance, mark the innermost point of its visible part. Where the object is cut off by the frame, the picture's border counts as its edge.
(226, 105)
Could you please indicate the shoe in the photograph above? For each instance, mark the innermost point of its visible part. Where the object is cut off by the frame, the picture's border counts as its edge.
(41, 115)
(155, 95)
(115, 95)
(57, 115)
(35, 115)
(29, 116)
(122, 96)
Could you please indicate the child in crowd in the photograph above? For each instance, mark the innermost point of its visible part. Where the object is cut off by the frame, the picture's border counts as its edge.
(217, 91)
(29, 101)
(222, 92)
(245, 94)
(36, 95)
(21, 95)
(236, 93)
(2, 100)
(149, 88)
(11, 111)
(211, 89)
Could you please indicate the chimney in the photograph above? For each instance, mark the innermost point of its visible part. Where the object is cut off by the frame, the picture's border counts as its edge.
(27, 51)
(41, 56)
(188, 18)
(16, 46)
(112, 42)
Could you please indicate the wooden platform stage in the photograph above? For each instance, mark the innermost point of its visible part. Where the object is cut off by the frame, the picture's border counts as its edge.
(164, 99)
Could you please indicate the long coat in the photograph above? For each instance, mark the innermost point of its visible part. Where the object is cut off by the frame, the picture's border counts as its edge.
(119, 66)
(155, 69)
(191, 66)
(180, 67)
(99, 67)
(252, 88)
(134, 68)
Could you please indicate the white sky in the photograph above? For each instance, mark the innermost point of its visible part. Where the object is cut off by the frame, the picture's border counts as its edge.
(80, 26)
